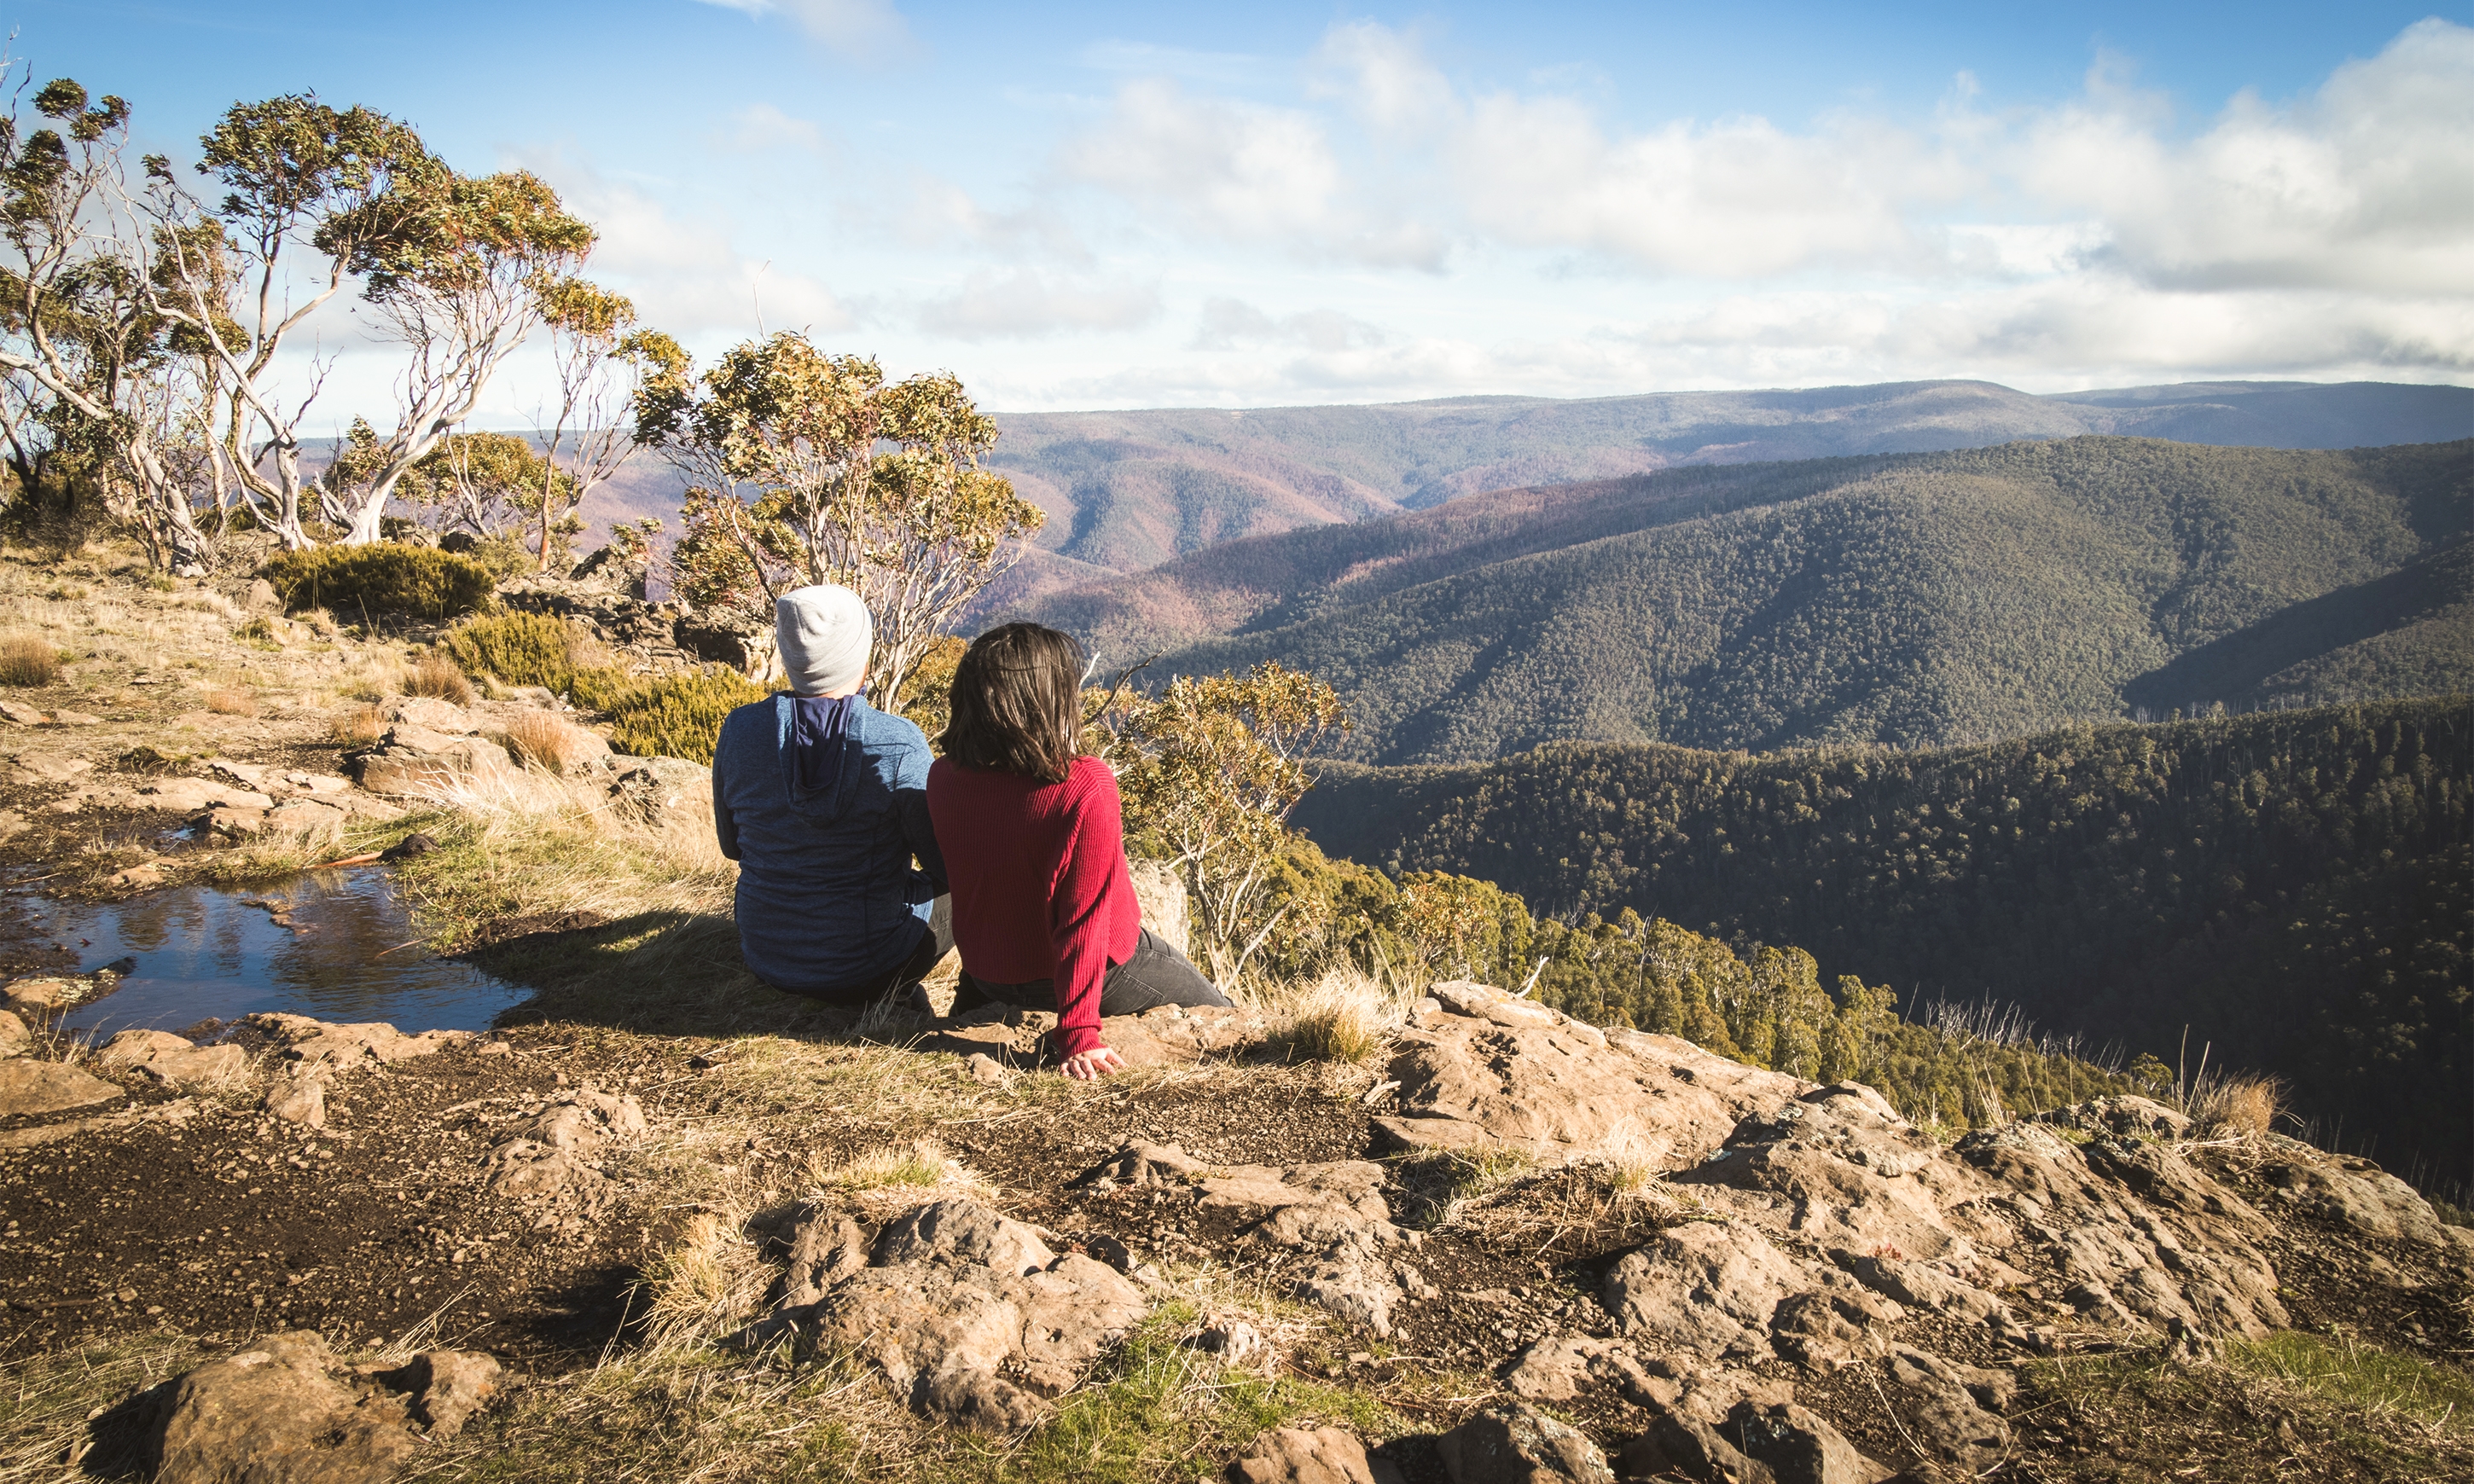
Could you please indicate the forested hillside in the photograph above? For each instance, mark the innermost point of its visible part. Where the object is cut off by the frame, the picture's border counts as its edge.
(2295, 887)
(1129, 489)
(1912, 600)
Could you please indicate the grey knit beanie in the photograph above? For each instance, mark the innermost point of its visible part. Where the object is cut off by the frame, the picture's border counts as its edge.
(824, 633)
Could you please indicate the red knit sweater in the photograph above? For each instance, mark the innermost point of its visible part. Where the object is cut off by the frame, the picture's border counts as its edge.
(1039, 882)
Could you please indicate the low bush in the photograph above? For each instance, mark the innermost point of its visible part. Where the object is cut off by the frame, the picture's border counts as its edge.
(678, 715)
(28, 659)
(438, 676)
(382, 579)
(526, 648)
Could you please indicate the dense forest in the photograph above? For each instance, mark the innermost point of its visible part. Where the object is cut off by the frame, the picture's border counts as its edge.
(2295, 888)
(1908, 600)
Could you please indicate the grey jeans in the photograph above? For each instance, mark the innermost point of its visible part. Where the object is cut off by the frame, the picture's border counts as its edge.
(1157, 975)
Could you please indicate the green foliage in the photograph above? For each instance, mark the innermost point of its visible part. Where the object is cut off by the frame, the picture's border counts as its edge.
(675, 716)
(381, 579)
(2294, 887)
(1912, 600)
(522, 648)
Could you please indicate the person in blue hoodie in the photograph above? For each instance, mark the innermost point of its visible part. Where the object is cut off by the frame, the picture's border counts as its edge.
(822, 800)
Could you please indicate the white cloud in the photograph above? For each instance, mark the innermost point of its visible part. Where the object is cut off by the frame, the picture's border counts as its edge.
(1230, 324)
(1026, 303)
(760, 128)
(861, 30)
(1240, 172)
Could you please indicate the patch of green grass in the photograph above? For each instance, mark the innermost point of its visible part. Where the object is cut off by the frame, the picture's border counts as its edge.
(2361, 1377)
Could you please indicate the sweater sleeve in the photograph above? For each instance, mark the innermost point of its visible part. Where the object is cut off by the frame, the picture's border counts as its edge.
(725, 829)
(918, 829)
(1076, 919)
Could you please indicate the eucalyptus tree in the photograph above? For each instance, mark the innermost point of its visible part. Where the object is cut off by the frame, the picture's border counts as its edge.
(95, 373)
(457, 267)
(601, 362)
(807, 468)
(302, 182)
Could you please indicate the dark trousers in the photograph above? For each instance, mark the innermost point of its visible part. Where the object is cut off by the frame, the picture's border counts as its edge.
(1156, 975)
(935, 941)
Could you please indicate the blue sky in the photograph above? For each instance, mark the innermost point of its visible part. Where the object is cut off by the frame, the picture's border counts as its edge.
(1120, 205)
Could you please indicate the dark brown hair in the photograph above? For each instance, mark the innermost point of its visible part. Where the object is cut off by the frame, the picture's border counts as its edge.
(1018, 702)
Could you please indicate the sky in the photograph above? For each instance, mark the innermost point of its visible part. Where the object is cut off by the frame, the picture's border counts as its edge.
(1108, 206)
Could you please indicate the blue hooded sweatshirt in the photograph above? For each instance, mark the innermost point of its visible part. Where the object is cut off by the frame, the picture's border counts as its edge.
(828, 898)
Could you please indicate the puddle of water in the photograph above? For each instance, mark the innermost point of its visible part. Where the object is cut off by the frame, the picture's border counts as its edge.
(348, 953)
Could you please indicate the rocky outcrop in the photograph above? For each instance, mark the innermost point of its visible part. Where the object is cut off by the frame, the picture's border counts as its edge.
(1484, 1071)
(1516, 1444)
(29, 1087)
(556, 1156)
(967, 1314)
(288, 1411)
(312, 1053)
(172, 1058)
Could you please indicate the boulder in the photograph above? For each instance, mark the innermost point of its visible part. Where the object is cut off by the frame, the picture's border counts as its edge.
(178, 1061)
(1292, 1455)
(196, 795)
(14, 1039)
(345, 1046)
(431, 714)
(1516, 1444)
(414, 761)
(21, 714)
(666, 795)
(554, 1157)
(751, 649)
(1938, 1402)
(1710, 1288)
(1563, 1091)
(287, 1411)
(1564, 1366)
(2354, 1194)
(27, 1086)
(300, 1096)
(1160, 891)
(1799, 1446)
(951, 1295)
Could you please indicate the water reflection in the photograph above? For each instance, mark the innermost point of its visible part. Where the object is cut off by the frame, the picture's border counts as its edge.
(336, 944)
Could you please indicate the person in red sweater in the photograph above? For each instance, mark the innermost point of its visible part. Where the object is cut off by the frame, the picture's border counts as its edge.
(1033, 840)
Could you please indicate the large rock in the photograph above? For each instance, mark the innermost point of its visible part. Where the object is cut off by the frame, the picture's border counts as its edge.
(346, 1046)
(1493, 1071)
(1708, 1287)
(966, 1313)
(174, 1059)
(1799, 1446)
(2352, 1193)
(194, 795)
(752, 649)
(555, 1158)
(1160, 893)
(1516, 1444)
(1292, 1455)
(287, 1411)
(29, 1087)
(14, 1039)
(416, 762)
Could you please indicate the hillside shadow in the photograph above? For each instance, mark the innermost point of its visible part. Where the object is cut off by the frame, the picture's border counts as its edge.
(2239, 662)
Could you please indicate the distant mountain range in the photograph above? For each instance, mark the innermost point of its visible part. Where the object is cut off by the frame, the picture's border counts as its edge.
(1126, 491)
(1907, 599)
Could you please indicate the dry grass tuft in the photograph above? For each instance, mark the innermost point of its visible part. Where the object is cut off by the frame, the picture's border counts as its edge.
(436, 677)
(708, 1284)
(28, 659)
(922, 1164)
(360, 725)
(2237, 1107)
(1346, 1015)
(231, 703)
(548, 741)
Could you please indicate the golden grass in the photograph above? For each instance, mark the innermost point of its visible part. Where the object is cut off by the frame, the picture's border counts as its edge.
(358, 726)
(231, 703)
(2237, 1107)
(437, 676)
(551, 742)
(1346, 1015)
(28, 659)
(907, 1169)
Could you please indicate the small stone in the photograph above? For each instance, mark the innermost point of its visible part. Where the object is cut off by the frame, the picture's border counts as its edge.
(15, 1038)
(985, 1070)
(75, 719)
(1292, 1455)
(23, 715)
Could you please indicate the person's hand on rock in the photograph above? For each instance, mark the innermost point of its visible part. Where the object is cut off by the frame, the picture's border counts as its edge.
(1093, 1064)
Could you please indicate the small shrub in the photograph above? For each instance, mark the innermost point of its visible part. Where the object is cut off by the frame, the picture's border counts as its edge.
(526, 648)
(260, 632)
(544, 741)
(231, 703)
(161, 583)
(2238, 1107)
(679, 715)
(28, 659)
(420, 581)
(437, 676)
(359, 726)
